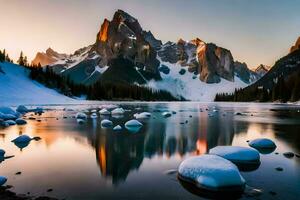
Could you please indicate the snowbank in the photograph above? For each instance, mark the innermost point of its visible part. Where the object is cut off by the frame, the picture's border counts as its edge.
(17, 88)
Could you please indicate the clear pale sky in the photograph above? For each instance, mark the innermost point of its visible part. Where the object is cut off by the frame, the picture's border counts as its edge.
(256, 31)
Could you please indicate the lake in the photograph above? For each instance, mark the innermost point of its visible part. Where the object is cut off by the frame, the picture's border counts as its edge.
(86, 161)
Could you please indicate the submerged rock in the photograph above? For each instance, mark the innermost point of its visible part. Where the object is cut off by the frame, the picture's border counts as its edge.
(244, 157)
(263, 145)
(2, 153)
(212, 173)
(22, 139)
(81, 115)
(106, 123)
(167, 114)
(80, 121)
(288, 154)
(20, 121)
(10, 122)
(22, 109)
(2, 180)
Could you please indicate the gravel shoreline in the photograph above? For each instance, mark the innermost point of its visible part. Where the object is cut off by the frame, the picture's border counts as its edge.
(6, 194)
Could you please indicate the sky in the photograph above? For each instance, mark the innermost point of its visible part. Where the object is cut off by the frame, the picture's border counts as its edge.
(255, 31)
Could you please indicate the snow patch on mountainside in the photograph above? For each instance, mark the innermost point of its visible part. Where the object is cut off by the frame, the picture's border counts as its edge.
(190, 87)
(17, 88)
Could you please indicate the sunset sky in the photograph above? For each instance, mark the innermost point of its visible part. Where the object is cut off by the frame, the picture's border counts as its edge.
(256, 31)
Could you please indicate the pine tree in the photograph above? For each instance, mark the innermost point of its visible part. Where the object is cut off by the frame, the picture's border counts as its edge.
(21, 59)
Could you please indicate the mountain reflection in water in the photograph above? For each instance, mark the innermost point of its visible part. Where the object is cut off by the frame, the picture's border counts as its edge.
(99, 157)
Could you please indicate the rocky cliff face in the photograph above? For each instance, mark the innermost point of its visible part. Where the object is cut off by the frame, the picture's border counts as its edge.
(242, 71)
(123, 36)
(208, 60)
(261, 70)
(48, 58)
(123, 39)
(296, 46)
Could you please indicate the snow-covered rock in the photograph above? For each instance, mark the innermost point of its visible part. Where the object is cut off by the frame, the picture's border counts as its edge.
(118, 111)
(8, 110)
(133, 125)
(262, 143)
(117, 128)
(238, 155)
(2, 180)
(143, 115)
(104, 111)
(20, 121)
(106, 123)
(94, 116)
(211, 172)
(2, 152)
(167, 114)
(22, 109)
(11, 122)
(22, 139)
(81, 115)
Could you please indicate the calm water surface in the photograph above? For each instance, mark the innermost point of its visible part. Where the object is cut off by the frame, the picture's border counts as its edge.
(90, 162)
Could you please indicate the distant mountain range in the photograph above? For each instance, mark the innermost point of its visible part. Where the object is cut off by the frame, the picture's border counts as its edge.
(195, 69)
(280, 83)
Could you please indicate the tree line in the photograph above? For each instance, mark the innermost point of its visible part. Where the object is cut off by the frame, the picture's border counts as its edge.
(284, 90)
(100, 90)
(4, 56)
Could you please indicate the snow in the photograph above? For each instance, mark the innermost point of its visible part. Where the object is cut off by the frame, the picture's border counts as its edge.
(22, 109)
(236, 154)
(2, 180)
(189, 88)
(118, 111)
(94, 116)
(22, 139)
(11, 122)
(167, 114)
(143, 115)
(104, 111)
(106, 123)
(17, 88)
(101, 70)
(262, 143)
(20, 121)
(133, 125)
(117, 128)
(211, 172)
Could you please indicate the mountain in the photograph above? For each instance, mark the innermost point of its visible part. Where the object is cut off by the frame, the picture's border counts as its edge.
(261, 70)
(125, 53)
(242, 71)
(48, 58)
(296, 46)
(17, 88)
(280, 83)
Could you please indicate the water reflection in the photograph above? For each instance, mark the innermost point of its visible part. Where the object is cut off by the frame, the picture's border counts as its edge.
(168, 140)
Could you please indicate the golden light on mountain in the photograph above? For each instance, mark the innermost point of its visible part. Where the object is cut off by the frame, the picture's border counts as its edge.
(104, 31)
